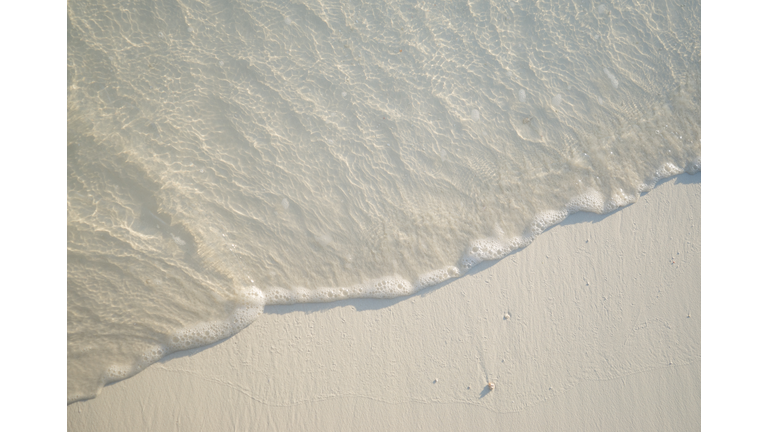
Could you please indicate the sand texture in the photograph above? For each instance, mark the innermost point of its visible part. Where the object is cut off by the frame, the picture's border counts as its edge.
(595, 326)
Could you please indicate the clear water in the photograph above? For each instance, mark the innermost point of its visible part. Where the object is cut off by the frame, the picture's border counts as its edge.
(225, 155)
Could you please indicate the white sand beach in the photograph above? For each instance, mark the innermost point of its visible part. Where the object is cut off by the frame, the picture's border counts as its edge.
(594, 326)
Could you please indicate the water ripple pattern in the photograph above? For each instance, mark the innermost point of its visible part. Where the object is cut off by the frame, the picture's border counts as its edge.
(224, 155)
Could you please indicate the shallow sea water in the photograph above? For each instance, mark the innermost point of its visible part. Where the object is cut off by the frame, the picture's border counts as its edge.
(226, 155)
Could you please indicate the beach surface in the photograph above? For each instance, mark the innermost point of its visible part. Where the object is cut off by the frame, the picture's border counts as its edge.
(594, 326)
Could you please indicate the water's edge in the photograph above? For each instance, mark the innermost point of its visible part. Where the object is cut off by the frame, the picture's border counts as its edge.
(200, 337)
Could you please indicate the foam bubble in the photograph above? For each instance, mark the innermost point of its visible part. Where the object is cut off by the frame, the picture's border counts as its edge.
(590, 201)
(664, 171)
(253, 297)
(154, 354)
(389, 287)
(546, 219)
(469, 261)
(489, 249)
(392, 287)
(620, 199)
(210, 332)
(436, 277)
(117, 373)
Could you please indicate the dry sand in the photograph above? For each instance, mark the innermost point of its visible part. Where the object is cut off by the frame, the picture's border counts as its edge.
(595, 326)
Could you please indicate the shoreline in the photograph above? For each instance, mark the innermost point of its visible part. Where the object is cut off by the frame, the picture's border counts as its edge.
(596, 323)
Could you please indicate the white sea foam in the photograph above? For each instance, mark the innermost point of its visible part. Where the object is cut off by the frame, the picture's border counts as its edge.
(320, 152)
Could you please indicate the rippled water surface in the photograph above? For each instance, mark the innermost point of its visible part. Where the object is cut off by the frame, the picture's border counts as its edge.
(224, 155)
